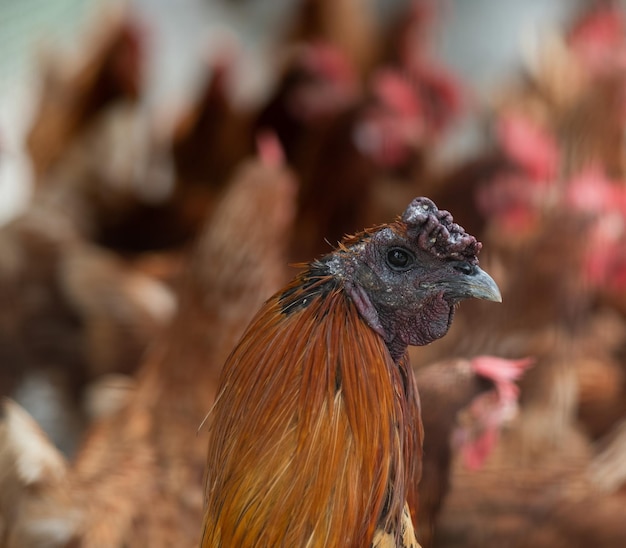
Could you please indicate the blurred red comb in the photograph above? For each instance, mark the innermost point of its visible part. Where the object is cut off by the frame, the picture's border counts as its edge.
(503, 372)
(591, 191)
(603, 25)
(326, 59)
(529, 145)
(495, 367)
(598, 37)
(395, 91)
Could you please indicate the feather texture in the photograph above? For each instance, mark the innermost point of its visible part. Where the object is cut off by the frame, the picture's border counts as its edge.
(335, 432)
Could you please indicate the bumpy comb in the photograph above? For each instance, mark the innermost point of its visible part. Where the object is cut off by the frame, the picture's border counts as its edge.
(437, 234)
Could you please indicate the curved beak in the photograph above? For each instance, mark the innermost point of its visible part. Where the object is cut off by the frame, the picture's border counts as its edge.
(480, 285)
(476, 284)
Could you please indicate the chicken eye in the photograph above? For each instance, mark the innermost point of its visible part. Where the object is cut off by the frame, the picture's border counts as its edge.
(399, 258)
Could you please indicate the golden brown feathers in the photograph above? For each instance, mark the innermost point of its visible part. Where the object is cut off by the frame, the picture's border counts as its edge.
(297, 476)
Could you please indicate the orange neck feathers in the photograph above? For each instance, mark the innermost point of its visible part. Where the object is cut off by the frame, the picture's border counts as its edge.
(316, 433)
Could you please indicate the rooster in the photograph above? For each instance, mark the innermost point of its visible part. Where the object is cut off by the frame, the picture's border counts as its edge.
(318, 401)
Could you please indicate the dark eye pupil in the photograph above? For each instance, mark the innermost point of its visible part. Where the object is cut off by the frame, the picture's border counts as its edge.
(398, 258)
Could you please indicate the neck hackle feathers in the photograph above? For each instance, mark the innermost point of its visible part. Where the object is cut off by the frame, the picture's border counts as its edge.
(316, 432)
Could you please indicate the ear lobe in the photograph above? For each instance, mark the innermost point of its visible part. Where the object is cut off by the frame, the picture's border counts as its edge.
(365, 307)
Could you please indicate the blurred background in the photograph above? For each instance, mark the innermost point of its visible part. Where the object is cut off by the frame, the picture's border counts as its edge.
(161, 164)
(483, 43)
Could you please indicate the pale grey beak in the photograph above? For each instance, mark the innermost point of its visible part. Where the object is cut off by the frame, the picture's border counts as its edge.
(480, 285)
(472, 282)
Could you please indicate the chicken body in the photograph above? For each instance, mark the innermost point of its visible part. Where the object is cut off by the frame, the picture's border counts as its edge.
(316, 432)
(465, 403)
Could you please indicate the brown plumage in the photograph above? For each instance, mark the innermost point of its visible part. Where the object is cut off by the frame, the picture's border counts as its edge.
(316, 431)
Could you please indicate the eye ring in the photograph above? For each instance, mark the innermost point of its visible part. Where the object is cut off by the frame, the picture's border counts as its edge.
(399, 259)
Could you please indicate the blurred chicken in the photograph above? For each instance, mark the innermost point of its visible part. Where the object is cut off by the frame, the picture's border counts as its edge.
(543, 315)
(180, 374)
(119, 186)
(72, 311)
(74, 94)
(350, 133)
(483, 388)
(377, 136)
(321, 371)
(409, 48)
(313, 111)
(317, 85)
(101, 157)
(142, 467)
(574, 499)
(216, 134)
(129, 182)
